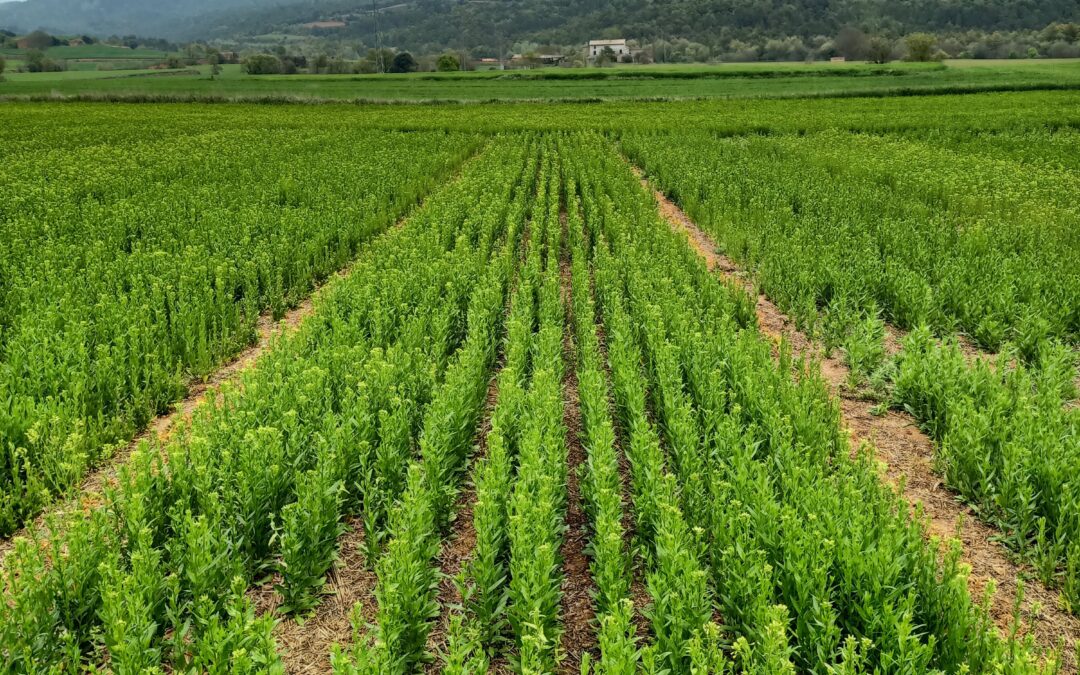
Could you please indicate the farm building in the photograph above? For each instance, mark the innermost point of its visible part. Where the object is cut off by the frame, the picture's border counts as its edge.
(596, 48)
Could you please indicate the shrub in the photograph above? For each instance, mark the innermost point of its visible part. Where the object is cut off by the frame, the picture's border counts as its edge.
(262, 64)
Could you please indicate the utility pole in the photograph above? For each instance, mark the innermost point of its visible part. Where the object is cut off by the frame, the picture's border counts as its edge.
(378, 38)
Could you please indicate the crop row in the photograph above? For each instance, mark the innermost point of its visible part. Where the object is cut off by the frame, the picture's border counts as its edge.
(407, 573)
(537, 507)
(31, 127)
(126, 270)
(602, 483)
(391, 366)
(811, 563)
(1006, 442)
(846, 230)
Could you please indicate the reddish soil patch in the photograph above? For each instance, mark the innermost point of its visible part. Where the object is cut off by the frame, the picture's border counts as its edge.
(906, 454)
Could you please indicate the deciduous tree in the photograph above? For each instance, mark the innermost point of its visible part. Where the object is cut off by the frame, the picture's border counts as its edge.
(403, 63)
(920, 46)
(447, 63)
(879, 50)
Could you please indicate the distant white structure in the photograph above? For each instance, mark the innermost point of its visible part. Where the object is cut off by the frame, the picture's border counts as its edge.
(596, 48)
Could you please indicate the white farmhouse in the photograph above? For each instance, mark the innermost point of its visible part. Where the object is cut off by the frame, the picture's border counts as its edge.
(596, 47)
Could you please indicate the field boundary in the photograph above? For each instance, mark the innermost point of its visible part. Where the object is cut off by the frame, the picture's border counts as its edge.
(905, 454)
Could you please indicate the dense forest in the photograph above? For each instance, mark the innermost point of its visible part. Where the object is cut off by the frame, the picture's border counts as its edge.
(490, 25)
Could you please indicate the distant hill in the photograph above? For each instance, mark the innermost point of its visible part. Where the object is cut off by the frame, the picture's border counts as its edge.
(160, 18)
(430, 25)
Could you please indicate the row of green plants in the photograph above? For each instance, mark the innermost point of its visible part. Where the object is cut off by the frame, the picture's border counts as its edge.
(1042, 146)
(407, 584)
(911, 233)
(668, 551)
(510, 583)
(810, 562)
(536, 513)
(389, 368)
(601, 481)
(42, 127)
(485, 578)
(129, 269)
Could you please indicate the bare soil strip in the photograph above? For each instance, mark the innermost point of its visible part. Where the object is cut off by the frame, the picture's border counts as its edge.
(906, 454)
(579, 634)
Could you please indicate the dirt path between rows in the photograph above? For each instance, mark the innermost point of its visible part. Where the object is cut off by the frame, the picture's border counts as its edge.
(907, 454)
(578, 589)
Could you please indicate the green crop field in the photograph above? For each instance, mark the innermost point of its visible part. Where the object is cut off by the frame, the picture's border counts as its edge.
(654, 82)
(525, 423)
(95, 51)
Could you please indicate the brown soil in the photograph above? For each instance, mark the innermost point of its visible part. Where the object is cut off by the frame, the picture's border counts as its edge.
(305, 645)
(579, 634)
(906, 454)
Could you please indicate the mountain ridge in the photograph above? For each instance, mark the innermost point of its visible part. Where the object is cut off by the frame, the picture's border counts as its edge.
(439, 24)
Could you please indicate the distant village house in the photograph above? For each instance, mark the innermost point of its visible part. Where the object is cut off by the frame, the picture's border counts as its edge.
(618, 47)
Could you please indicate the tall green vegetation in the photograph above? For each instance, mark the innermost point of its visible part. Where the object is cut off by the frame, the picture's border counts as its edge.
(406, 574)
(128, 270)
(973, 235)
(811, 561)
(265, 474)
(731, 527)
